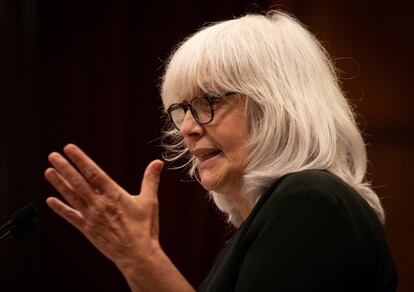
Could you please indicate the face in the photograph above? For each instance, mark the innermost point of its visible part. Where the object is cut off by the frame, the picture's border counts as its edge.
(220, 146)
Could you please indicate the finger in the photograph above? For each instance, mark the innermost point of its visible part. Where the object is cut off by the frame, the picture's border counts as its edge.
(72, 176)
(64, 189)
(71, 215)
(89, 169)
(151, 179)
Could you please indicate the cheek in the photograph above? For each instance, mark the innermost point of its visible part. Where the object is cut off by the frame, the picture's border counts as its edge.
(241, 160)
(238, 158)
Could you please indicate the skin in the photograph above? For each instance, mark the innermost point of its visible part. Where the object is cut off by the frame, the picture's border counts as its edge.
(229, 133)
(125, 228)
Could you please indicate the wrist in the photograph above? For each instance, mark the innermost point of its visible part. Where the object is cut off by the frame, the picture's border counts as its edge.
(140, 259)
(152, 270)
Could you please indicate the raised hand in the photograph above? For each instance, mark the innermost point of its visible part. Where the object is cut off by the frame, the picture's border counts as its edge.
(123, 227)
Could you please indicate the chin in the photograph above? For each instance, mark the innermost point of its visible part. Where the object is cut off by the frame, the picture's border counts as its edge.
(209, 186)
(209, 183)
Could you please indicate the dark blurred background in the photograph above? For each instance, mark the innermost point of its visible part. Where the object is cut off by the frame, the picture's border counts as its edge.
(87, 72)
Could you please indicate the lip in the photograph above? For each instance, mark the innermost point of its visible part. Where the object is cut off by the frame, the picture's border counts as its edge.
(209, 161)
(204, 155)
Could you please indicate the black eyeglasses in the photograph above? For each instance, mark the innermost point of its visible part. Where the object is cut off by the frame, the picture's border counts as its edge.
(201, 107)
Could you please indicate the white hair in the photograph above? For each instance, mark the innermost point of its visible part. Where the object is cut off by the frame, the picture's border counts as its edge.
(298, 114)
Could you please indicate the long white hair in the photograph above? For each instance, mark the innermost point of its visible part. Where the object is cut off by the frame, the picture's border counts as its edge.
(299, 117)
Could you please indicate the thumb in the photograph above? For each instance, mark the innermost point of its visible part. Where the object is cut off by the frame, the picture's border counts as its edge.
(151, 179)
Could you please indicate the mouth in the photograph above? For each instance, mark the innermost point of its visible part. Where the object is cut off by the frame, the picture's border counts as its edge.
(206, 154)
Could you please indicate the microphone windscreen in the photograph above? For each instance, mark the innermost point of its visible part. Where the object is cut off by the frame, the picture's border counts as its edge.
(27, 212)
(23, 219)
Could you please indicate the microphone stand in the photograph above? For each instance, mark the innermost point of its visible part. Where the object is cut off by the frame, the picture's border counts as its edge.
(5, 236)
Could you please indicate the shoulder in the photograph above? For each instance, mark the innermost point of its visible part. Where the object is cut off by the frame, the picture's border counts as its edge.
(312, 196)
(310, 192)
(313, 200)
(299, 196)
(317, 186)
(317, 180)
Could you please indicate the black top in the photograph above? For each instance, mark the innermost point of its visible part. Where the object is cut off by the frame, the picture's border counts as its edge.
(309, 231)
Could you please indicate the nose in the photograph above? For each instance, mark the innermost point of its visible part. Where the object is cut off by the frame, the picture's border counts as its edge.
(190, 127)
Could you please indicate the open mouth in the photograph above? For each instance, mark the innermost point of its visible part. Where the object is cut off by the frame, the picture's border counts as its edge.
(208, 155)
(204, 154)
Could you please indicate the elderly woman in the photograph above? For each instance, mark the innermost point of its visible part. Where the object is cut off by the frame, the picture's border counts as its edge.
(255, 103)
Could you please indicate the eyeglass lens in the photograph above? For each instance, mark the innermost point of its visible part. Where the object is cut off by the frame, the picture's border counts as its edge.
(201, 111)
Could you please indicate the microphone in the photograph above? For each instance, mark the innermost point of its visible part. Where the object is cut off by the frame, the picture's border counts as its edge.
(22, 220)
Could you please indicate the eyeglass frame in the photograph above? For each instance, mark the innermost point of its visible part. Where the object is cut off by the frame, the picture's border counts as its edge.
(185, 106)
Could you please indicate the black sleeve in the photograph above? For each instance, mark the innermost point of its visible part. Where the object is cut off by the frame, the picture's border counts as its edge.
(305, 243)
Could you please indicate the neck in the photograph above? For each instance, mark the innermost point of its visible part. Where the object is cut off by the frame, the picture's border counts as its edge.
(243, 204)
